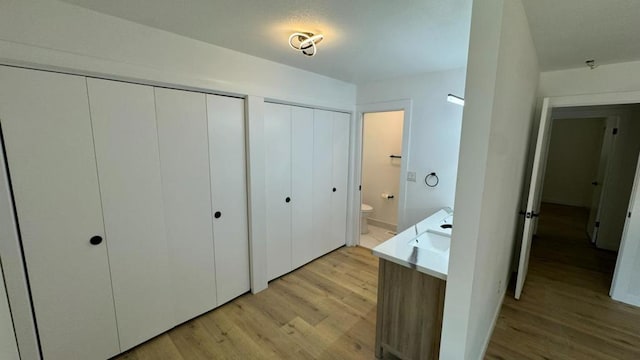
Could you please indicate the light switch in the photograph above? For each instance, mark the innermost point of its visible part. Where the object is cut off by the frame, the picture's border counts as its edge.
(411, 176)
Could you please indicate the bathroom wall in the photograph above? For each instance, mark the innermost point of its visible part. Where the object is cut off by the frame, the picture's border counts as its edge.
(574, 155)
(434, 135)
(382, 136)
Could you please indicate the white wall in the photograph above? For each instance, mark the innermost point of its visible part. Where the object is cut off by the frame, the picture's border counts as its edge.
(381, 137)
(502, 79)
(60, 35)
(434, 138)
(572, 163)
(605, 78)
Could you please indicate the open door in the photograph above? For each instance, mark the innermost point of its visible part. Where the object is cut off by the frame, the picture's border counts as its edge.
(535, 191)
(599, 192)
(626, 284)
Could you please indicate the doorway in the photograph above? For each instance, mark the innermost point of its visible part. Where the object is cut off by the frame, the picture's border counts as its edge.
(382, 140)
(581, 187)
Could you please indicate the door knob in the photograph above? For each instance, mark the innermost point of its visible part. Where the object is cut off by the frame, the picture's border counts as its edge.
(334, 189)
(288, 199)
(95, 240)
(217, 215)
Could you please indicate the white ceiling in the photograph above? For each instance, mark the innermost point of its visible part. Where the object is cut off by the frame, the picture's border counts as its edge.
(365, 40)
(568, 32)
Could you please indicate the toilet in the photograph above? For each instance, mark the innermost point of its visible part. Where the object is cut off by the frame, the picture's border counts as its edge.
(365, 210)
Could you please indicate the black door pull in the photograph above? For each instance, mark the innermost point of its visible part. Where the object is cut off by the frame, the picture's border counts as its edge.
(95, 240)
(334, 189)
(217, 215)
(288, 199)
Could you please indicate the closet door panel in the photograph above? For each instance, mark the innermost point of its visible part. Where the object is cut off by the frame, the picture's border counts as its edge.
(341, 122)
(47, 135)
(322, 181)
(229, 188)
(184, 159)
(126, 142)
(302, 186)
(277, 129)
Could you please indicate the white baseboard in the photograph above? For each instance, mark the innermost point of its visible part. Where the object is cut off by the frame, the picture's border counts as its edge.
(496, 314)
(382, 224)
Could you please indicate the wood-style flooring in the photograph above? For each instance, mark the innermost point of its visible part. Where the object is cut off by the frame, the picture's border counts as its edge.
(565, 311)
(324, 310)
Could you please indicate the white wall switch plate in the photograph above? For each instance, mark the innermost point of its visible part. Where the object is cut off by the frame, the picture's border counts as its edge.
(411, 176)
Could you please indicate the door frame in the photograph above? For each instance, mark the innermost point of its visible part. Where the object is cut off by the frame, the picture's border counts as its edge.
(559, 102)
(386, 106)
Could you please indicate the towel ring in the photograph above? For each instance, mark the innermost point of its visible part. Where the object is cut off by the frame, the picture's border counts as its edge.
(431, 180)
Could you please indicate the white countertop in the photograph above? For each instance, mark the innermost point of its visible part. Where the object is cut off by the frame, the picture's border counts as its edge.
(424, 246)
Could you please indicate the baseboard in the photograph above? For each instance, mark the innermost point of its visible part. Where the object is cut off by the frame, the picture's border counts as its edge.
(496, 315)
(382, 224)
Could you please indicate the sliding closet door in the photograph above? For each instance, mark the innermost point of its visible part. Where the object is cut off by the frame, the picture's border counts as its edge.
(47, 134)
(322, 181)
(229, 188)
(126, 142)
(277, 131)
(302, 186)
(184, 159)
(340, 179)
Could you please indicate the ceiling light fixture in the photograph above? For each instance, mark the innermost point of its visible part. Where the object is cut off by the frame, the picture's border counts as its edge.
(455, 99)
(305, 42)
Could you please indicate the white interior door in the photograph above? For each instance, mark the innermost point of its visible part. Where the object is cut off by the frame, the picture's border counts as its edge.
(277, 134)
(535, 192)
(229, 200)
(184, 159)
(600, 181)
(626, 282)
(302, 247)
(126, 142)
(322, 181)
(47, 136)
(340, 175)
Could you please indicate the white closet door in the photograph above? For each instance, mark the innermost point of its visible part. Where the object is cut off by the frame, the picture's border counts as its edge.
(229, 189)
(47, 134)
(302, 186)
(322, 181)
(277, 131)
(340, 179)
(184, 159)
(126, 142)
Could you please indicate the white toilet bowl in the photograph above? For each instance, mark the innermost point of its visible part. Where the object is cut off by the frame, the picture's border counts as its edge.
(365, 210)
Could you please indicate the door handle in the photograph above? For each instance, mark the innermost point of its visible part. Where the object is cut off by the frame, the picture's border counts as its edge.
(594, 183)
(217, 215)
(531, 214)
(334, 189)
(95, 240)
(287, 200)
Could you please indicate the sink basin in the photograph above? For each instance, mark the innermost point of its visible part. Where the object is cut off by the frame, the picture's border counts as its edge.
(432, 242)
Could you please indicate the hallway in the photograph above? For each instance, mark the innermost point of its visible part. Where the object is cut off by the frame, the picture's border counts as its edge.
(565, 311)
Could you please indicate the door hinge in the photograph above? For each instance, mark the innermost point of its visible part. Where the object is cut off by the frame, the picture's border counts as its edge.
(597, 224)
(615, 131)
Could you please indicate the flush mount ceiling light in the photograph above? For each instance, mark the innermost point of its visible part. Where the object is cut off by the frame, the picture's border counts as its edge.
(305, 42)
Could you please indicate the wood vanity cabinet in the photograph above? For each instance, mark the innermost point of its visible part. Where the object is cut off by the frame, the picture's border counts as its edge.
(410, 309)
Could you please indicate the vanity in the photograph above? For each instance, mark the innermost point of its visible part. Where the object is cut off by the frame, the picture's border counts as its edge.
(411, 287)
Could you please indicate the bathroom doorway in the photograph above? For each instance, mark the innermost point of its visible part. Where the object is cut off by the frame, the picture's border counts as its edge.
(382, 159)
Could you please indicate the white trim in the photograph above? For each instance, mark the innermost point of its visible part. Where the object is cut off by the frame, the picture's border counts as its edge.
(405, 105)
(617, 98)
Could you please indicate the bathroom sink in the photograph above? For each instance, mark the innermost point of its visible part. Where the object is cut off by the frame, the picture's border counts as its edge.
(432, 242)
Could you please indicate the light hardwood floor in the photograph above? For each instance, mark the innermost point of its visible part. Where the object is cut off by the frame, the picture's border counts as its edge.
(324, 310)
(565, 311)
